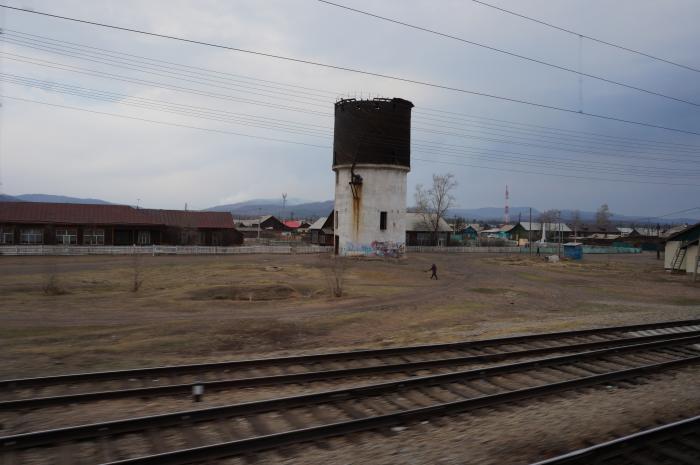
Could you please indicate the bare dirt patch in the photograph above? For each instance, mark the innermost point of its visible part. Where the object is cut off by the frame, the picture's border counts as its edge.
(250, 293)
(198, 308)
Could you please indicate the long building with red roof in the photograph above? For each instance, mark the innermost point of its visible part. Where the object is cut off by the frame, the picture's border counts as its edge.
(33, 223)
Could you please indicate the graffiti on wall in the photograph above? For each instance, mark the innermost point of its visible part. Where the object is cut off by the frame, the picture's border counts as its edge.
(375, 249)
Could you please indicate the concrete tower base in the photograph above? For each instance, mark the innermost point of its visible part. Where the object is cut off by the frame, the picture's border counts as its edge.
(370, 212)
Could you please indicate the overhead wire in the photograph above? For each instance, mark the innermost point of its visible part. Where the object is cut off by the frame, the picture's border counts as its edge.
(456, 116)
(354, 70)
(326, 147)
(99, 52)
(435, 148)
(181, 76)
(513, 54)
(591, 38)
(228, 97)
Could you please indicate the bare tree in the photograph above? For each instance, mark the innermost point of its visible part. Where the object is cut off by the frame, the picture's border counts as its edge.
(576, 221)
(138, 280)
(334, 269)
(434, 202)
(459, 224)
(547, 218)
(602, 216)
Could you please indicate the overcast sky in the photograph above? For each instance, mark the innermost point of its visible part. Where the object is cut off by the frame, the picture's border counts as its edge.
(56, 150)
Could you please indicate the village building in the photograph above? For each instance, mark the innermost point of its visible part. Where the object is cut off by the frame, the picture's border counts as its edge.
(420, 231)
(524, 231)
(498, 232)
(471, 232)
(267, 226)
(681, 251)
(597, 231)
(39, 223)
(322, 231)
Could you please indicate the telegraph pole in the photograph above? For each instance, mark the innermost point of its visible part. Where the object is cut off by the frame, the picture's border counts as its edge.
(529, 233)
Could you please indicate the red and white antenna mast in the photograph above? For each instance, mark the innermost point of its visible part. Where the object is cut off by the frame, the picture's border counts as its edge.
(506, 212)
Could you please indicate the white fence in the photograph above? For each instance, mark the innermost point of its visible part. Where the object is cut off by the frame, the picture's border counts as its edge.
(521, 250)
(160, 250)
(268, 249)
(474, 249)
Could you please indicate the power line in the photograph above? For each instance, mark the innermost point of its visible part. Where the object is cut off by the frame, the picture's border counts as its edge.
(169, 74)
(301, 128)
(175, 66)
(557, 175)
(585, 136)
(325, 132)
(507, 130)
(328, 147)
(513, 54)
(591, 38)
(158, 64)
(674, 213)
(197, 69)
(221, 131)
(117, 77)
(357, 71)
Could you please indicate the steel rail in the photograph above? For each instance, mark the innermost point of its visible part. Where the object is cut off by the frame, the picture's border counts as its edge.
(43, 438)
(639, 442)
(271, 441)
(332, 356)
(170, 389)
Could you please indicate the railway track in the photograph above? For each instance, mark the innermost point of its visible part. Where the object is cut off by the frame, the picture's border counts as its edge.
(213, 433)
(31, 393)
(676, 443)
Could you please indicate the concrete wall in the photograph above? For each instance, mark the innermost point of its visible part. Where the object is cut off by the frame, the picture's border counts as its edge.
(383, 189)
(691, 259)
(670, 253)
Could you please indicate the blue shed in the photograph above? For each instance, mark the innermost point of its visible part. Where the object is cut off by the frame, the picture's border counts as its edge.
(573, 250)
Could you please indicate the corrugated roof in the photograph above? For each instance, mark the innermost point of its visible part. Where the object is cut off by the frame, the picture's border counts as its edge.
(192, 219)
(549, 226)
(73, 213)
(691, 232)
(318, 224)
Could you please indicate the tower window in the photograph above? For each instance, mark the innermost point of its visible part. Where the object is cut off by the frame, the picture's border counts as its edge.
(382, 220)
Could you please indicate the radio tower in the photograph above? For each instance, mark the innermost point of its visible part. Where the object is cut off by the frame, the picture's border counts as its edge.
(506, 211)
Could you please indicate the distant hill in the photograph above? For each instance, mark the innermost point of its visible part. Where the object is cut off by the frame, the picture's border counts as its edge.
(8, 198)
(495, 215)
(50, 199)
(58, 199)
(252, 209)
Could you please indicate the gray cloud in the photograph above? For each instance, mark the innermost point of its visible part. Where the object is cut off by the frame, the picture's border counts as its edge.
(61, 151)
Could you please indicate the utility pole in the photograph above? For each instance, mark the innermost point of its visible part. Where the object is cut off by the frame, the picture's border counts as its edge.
(259, 218)
(529, 232)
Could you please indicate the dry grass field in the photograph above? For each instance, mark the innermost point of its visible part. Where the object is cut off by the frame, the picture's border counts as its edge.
(68, 314)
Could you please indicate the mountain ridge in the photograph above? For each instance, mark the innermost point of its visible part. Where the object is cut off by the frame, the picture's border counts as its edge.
(299, 208)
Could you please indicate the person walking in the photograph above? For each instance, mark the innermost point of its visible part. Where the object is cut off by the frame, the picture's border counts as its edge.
(433, 269)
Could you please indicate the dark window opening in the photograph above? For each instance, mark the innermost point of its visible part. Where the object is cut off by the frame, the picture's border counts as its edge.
(382, 220)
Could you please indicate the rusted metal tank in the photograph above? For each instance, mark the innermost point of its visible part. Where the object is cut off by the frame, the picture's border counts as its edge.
(376, 131)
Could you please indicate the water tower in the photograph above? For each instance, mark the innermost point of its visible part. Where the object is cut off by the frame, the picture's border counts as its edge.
(371, 159)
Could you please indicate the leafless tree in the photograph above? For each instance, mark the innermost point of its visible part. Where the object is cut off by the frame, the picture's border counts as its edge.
(602, 216)
(576, 220)
(434, 202)
(138, 280)
(334, 269)
(459, 224)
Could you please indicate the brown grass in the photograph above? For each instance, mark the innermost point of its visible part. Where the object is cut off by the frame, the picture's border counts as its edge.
(189, 309)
